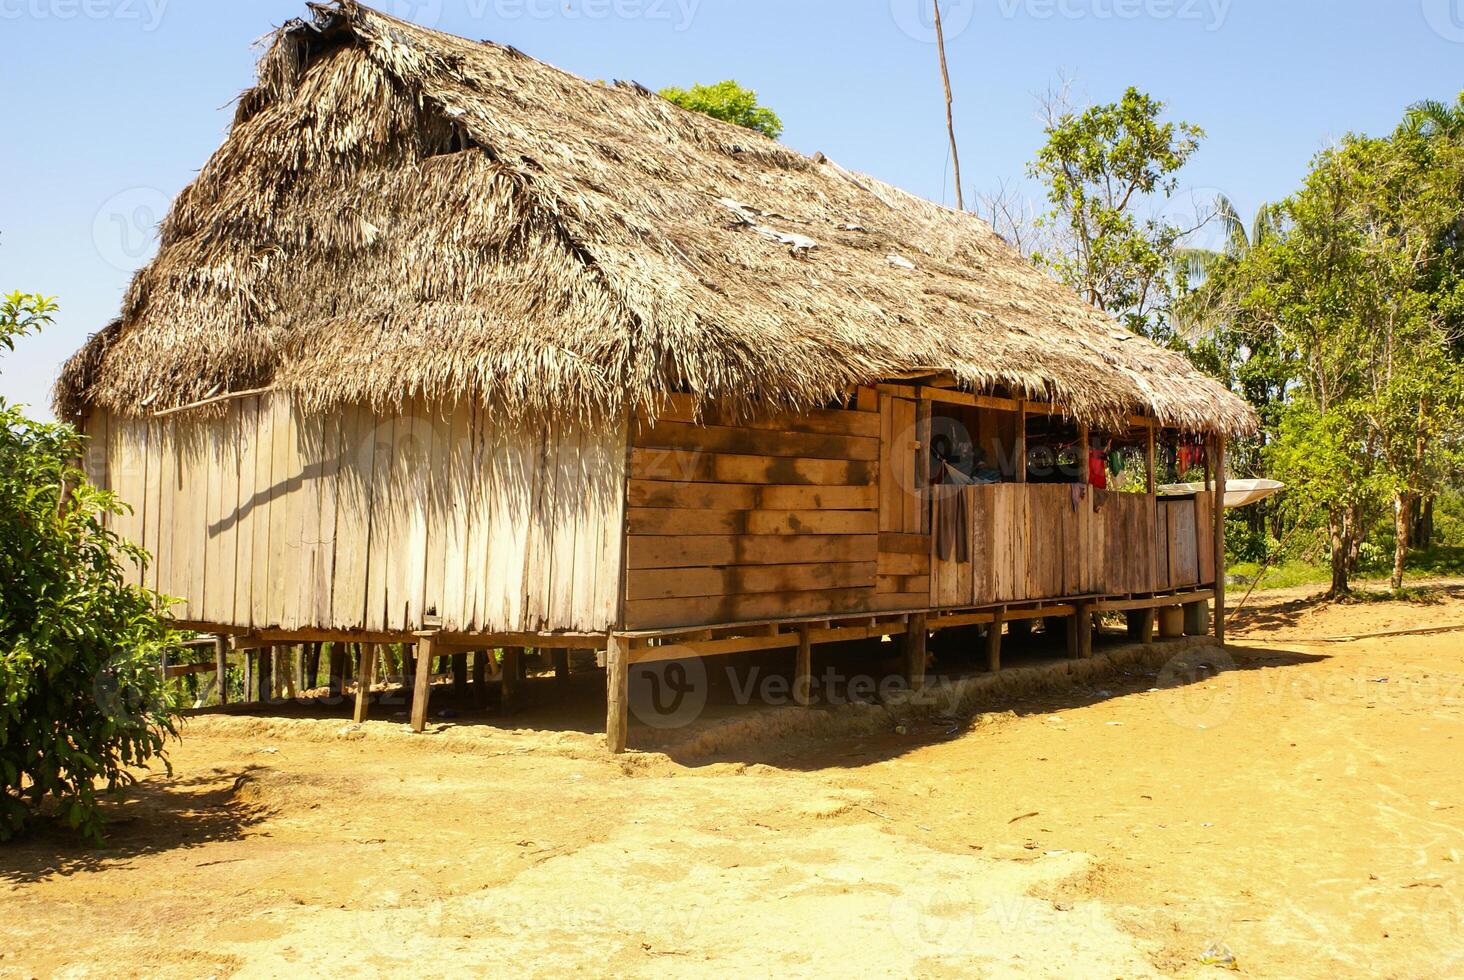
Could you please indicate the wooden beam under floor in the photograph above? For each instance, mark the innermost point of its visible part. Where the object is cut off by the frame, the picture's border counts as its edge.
(915, 637)
(365, 668)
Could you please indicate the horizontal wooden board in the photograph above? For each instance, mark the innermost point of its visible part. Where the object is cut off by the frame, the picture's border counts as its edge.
(906, 544)
(671, 613)
(657, 521)
(756, 442)
(702, 550)
(674, 583)
(702, 467)
(748, 496)
(903, 564)
(911, 584)
(682, 408)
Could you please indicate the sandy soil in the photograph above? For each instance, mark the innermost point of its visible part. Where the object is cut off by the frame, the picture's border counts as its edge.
(1304, 810)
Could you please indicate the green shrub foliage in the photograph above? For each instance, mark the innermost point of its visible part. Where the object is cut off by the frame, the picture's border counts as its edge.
(82, 699)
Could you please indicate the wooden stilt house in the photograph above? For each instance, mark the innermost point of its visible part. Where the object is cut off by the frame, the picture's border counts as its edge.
(449, 347)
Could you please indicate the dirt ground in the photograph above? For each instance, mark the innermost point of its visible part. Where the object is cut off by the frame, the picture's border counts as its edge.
(1303, 812)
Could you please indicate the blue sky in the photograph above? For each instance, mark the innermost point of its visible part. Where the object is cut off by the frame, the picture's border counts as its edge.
(110, 106)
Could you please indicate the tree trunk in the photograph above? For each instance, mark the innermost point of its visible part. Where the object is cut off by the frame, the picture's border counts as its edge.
(1336, 528)
(1402, 531)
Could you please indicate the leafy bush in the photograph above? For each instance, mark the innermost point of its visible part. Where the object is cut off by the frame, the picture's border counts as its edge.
(728, 102)
(81, 696)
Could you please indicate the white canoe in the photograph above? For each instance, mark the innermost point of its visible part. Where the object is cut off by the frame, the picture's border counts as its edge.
(1238, 493)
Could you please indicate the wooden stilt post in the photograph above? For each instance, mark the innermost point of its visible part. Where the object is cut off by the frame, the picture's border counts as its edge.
(248, 676)
(993, 644)
(508, 679)
(1021, 457)
(297, 672)
(312, 666)
(459, 674)
(1072, 627)
(803, 669)
(1083, 626)
(337, 681)
(480, 678)
(1219, 514)
(915, 636)
(561, 666)
(617, 694)
(1085, 455)
(422, 685)
(221, 666)
(365, 667)
(266, 674)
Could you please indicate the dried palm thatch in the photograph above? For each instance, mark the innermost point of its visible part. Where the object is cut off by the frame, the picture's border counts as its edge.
(398, 213)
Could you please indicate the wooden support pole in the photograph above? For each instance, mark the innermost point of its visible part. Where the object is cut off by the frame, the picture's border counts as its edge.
(993, 644)
(265, 671)
(803, 669)
(1021, 457)
(561, 665)
(459, 674)
(915, 636)
(221, 666)
(312, 666)
(1072, 627)
(422, 687)
(1219, 514)
(1085, 455)
(508, 679)
(248, 676)
(337, 682)
(1151, 463)
(1083, 626)
(480, 678)
(365, 667)
(617, 694)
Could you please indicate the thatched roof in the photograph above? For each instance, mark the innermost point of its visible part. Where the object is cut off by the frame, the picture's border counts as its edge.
(400, 213)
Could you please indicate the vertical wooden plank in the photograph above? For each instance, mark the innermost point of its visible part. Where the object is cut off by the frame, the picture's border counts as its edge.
(1020, 456)
(304, 516)
(480, 516)
(383, 505)
(354, 485)
(326, 472)
(438, 506)
(984, 546)
(455, 506)
(890, 510)
(538, 551)
(152, 497)
(568, 503)
(511, 489)
(197, 442)
(278, 551)
(245, 507)
(906, 450)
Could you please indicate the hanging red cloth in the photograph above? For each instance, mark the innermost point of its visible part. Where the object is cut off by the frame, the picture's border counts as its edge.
(1098, 469)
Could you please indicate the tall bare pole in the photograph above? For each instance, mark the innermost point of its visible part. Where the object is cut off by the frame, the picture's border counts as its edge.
(945, 75)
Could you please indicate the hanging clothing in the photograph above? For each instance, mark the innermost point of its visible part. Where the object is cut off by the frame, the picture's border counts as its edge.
(953, 516)
(1098, 469)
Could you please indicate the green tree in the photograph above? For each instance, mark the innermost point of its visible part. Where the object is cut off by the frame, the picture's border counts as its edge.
(1101, 166)
(81, 698)
(728, 102)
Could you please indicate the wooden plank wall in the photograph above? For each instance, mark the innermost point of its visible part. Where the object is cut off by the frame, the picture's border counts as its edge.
(731, 521)
(264, 518)
(904, 545)
(1039, 541)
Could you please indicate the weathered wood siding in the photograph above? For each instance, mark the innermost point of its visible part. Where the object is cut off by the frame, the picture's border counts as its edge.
(267, 518)
(772, 519)
(904, 516)
(1037, 541)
